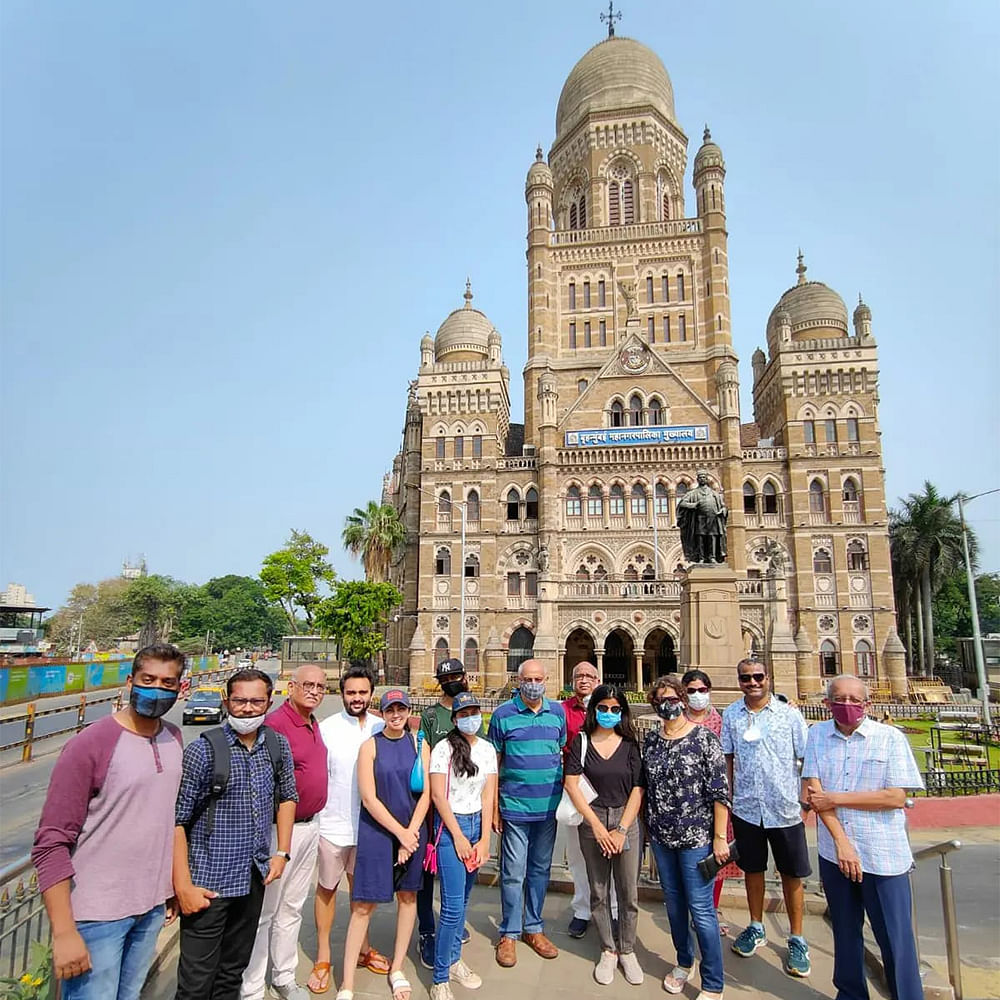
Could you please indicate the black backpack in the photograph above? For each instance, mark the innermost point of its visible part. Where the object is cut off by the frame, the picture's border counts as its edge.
(221, 756)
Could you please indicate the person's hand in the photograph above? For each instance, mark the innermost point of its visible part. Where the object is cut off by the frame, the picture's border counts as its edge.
(463, 848)
(822, 801)
(483, 850)
(70, 957)
(720, 848)
(497, 823)
(194, 899)
(403, 855)
(171, 909)
(409, 839)
(848, 860)
(603, 838)
(618, 839)
(276, 868)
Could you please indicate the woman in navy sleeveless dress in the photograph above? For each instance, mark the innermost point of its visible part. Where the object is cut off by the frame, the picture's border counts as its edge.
(392, 839)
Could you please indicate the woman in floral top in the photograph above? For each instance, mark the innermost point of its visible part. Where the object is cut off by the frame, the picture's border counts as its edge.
(686, 813)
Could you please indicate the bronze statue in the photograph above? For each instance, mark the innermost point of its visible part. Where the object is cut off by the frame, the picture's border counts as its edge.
(629, 294)
(702, 517)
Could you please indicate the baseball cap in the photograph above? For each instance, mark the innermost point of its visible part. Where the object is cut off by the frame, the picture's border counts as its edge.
(395, 696)
(464, 699)
(452, 666)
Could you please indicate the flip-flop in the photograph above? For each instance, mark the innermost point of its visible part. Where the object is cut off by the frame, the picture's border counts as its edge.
(373, 961)
(398, 983)
(321, 971)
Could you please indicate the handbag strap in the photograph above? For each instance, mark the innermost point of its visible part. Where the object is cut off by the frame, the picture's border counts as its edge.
(447, 792)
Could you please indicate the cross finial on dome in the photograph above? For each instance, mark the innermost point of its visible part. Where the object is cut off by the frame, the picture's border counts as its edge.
(801, 269)
(611, 16)
(468, 294)
(539, 155)
(861, 301)
(708, 135)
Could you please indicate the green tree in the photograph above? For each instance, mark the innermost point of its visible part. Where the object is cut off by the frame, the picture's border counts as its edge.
(234, 610)
(155, 602)
(375, 533)
(952, 614)
(294, 575)
(95, 612)
(357, 614)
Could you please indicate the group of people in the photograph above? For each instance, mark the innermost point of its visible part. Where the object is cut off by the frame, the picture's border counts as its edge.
(230, 833)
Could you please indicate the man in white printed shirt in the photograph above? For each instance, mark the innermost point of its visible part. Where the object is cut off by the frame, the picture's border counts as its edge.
(855, 775)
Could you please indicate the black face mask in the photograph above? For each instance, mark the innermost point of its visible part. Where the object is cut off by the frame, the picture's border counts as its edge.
(451, 688)
(669, 712)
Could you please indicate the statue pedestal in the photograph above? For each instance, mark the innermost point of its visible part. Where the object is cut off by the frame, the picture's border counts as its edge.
(711, 634)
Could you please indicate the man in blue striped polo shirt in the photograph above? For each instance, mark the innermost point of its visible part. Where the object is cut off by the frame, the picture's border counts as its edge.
(529, 733)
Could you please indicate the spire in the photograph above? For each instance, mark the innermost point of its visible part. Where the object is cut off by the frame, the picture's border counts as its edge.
(801, 269)
(707, 137)
(468, 294)
(539, 156)
(611, 16)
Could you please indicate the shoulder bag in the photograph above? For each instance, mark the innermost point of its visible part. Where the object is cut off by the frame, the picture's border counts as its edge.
(567, 812)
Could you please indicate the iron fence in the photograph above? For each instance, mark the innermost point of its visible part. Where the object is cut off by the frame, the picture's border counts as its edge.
(23, 919)
(980, 781)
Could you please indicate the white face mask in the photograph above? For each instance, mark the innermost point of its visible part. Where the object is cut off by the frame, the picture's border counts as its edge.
(246, 725)
(700, 700)
(469, 724)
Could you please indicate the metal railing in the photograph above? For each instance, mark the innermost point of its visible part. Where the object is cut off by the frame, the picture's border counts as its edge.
(29, 717)
(947, 909)
(23, 919)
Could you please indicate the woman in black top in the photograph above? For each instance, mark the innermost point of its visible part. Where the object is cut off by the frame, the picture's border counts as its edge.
(609, 834)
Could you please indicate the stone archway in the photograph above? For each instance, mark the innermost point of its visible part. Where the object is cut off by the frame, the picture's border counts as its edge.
(579, 649)
(520, 648)
(619, 659)
(659, 655)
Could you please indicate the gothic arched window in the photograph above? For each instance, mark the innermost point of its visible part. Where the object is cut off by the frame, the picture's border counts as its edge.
(621, 196)
(531, 504)
(817, 500)
(442, 561)
(513, 505)
(638, 499)
(616, 499)
(635, 411)
(770, 498)
(595, 501)
(857, 557)
(655, 411)
(617, 414)
(573, 506)
(822, 563)
(472, 506)
(749, 499)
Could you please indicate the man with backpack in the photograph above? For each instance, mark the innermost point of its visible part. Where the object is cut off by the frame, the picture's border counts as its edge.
(226, 806)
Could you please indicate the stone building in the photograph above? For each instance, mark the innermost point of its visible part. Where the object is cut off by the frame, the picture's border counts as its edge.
(570, 546)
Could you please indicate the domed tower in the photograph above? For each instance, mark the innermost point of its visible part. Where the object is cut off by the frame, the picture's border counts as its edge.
(538, 195)
(862, 320)
(709, 178)
(465, 334)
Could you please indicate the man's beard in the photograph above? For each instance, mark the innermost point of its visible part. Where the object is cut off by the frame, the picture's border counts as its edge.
(355, 711)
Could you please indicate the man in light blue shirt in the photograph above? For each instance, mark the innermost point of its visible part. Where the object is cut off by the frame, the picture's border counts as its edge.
(764, 740)
(855, 775)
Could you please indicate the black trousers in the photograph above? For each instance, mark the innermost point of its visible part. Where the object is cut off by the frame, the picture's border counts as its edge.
(216, 945)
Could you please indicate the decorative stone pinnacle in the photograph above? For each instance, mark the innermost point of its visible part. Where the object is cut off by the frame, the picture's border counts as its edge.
(801, 269)
(538, 154)
(707, 137)
(468, 294)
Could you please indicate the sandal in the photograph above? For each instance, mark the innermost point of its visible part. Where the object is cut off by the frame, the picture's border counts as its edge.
(673, 981)
(399, 985)
(345, 995)
(373, 961)
(321, 973)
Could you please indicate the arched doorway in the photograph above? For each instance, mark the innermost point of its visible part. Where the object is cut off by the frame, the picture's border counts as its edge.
(619, 659)
(579, 649)
(658, 655)
(519, 649)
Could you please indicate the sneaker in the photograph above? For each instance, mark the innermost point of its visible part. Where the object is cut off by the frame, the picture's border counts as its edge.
(460, 973)
(426, 950)
(441, 991)
(749, 941)
(797, 963)
(578, 927)
(631, 967)
(604, 971)
(466, 935)
(290, 991)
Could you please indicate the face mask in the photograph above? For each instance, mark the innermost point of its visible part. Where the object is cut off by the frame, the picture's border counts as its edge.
(699, 700)
(607, 720)
(668, 712)
(245, 726)
(151, 703)
(451, 688)
(469, 724)
(847, 714)
(753, 733)
(533, 690)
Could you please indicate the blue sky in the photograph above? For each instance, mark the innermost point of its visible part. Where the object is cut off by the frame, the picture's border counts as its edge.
(227, 225)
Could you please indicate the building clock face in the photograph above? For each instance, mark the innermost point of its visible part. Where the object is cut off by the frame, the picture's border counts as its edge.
(633, 359)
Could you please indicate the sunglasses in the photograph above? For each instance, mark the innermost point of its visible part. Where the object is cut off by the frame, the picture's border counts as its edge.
(613, 709)
(670, 701)
(747, 678)
(697, 690)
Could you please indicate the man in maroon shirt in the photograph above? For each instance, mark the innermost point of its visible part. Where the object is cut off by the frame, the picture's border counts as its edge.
(585, 678)
(281, 914)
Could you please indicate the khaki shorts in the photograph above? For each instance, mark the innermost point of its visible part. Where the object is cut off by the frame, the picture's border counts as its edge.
(333, 862)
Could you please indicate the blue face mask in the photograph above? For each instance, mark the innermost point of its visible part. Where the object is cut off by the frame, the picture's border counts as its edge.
(151, 702)
(469, 724)
(607, 720)
(533, 690)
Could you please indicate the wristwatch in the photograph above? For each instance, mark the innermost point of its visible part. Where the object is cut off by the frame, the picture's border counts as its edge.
(283, 854)
(621, 829)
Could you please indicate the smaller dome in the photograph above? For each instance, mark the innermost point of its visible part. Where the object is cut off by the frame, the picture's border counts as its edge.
(494, 338)
(465, 334)
(427, 342)
(809, 306)
(861, 310)
(759, 358)
(538, 172)
(710, 155)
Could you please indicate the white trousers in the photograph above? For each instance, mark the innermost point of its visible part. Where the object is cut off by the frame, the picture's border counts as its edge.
(578, 872)
(281, 914)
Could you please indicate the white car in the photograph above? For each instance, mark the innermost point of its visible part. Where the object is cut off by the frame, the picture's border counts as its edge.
(245, 664)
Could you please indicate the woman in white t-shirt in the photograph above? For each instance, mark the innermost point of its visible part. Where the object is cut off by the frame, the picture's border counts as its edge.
(463, 787)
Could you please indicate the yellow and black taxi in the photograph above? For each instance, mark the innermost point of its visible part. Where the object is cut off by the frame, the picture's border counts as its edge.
(204, 705)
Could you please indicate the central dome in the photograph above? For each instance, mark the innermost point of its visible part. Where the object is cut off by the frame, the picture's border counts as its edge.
(615, 74)
(465, 334)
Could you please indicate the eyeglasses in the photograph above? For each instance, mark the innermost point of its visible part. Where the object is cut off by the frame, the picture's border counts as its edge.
(747, 678)
(848, 701)
(249, 702)
(586, 677)
(697, 690)
(669, 701)
(309, 688)
(613, 709)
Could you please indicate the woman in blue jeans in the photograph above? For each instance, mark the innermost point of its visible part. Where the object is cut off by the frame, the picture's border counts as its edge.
(686, 813)
(463, 787)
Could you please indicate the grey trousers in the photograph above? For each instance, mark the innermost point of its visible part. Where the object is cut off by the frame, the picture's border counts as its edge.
(625, 869)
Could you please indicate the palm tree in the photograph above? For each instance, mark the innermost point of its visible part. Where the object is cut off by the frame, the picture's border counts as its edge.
(374, 533)
(930, 535)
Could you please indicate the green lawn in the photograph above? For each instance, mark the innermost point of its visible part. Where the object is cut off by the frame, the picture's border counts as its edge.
(918, 733)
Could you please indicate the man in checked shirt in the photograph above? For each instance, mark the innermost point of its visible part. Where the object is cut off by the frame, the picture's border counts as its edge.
(855, 775)
(219, 875)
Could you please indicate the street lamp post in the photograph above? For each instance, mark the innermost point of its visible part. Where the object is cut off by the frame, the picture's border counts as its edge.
(977, 639)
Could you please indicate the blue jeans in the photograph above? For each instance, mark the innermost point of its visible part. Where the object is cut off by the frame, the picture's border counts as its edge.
(121, 952)
(456, 884)
(687, 891)
(525, 862)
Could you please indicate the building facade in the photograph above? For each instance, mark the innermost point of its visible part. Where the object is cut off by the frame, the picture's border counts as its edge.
(557, 535)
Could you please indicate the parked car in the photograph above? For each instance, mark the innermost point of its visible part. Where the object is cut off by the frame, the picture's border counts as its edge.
(245, 664)
(204, 705)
